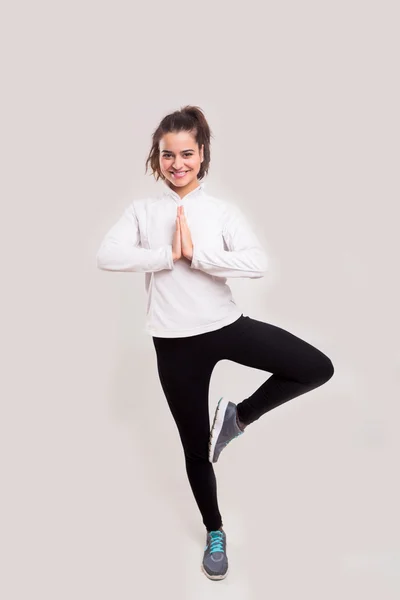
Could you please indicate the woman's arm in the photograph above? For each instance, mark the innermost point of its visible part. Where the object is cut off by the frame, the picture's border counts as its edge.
(120, 249)
(245, 256)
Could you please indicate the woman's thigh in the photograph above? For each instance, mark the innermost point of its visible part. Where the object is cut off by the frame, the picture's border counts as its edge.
(185, 372)
(264, 346)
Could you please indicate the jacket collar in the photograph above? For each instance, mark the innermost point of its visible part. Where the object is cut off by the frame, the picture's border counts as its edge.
(171, 193)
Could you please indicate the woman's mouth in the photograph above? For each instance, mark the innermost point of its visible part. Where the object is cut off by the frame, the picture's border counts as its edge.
(179, 174)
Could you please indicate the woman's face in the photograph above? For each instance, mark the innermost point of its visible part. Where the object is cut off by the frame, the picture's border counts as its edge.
(180, 160)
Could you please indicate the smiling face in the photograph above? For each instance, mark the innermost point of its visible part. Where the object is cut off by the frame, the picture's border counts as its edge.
(180, 161)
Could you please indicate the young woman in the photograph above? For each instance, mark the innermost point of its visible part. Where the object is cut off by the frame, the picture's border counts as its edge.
(188, 243)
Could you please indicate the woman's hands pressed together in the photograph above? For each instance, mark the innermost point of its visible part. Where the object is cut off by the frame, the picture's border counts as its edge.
(182, 244)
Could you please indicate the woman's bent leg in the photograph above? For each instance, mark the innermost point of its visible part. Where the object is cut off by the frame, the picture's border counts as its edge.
(296, 366)
(185, 375)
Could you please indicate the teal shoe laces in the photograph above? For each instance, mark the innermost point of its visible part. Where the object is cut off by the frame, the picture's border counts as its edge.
(216, 544)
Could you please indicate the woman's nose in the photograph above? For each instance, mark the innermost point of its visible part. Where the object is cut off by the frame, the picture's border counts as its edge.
(177, 163)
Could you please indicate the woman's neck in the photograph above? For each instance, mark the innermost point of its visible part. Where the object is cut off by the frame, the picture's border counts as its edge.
(183, 191)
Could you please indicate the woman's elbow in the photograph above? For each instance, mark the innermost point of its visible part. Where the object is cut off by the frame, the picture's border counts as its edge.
(103, 259)
(263, 265)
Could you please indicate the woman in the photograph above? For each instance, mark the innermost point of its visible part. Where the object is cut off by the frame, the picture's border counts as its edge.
(188, 243)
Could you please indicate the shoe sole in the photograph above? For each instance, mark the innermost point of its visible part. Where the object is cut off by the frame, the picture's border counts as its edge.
(216, 427)
(214, 577)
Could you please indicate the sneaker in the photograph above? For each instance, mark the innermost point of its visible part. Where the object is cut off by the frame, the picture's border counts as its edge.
(223, 430)
(215, 560)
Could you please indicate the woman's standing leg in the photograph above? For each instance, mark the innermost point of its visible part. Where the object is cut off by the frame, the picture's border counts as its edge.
(296, 366)
(185, 366)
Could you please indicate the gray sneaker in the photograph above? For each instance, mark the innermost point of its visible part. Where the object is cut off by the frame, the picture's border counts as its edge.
(223, 430)
(215, 560)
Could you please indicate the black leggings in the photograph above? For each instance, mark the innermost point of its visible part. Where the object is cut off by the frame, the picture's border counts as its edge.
(185, 366)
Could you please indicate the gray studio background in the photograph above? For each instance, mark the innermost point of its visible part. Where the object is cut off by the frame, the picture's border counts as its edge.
(302, 99)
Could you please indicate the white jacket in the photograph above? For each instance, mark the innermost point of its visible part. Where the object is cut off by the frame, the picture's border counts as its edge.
(185, 298)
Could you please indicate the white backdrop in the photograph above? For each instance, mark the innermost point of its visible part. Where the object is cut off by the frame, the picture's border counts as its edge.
(302, 99)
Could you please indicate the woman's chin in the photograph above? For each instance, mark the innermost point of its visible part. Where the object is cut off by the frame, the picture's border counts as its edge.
(179, 184)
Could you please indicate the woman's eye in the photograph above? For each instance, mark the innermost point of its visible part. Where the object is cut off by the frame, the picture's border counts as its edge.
(170, 156)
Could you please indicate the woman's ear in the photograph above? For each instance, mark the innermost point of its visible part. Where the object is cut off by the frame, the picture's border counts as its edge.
(202, 153)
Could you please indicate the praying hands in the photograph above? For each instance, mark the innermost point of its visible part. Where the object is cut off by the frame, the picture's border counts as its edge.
(182, 244)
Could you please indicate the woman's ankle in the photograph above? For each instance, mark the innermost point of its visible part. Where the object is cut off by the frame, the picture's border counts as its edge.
(239, 423)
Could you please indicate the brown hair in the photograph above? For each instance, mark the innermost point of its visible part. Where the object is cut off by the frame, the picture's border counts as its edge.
(188, 118)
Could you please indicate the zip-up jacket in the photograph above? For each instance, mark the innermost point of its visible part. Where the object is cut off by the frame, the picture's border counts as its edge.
(185, 297)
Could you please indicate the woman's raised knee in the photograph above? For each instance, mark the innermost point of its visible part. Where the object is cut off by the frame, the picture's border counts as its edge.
(325, 370)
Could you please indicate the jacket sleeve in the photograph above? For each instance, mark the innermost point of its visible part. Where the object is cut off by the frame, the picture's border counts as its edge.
(120, 249)
(245, 256)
